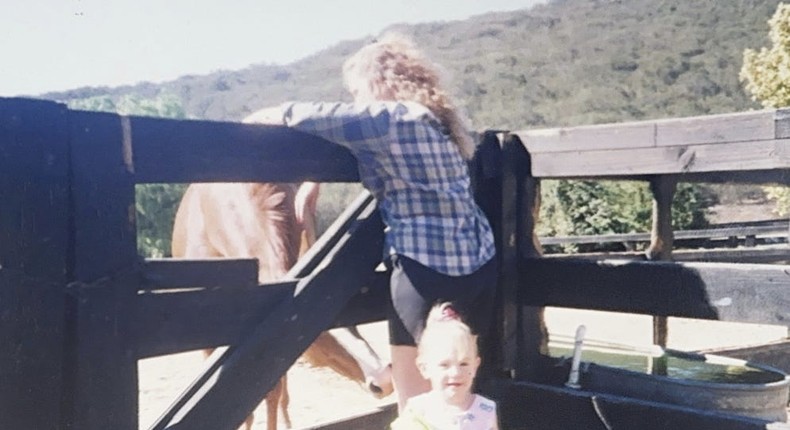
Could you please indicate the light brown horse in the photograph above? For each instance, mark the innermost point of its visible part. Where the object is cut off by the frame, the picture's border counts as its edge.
(258, 220)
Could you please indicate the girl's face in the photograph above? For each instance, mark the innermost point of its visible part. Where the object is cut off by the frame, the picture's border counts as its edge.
(451, 372)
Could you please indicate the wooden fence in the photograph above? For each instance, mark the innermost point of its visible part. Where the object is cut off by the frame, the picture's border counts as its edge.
(79, 307)
(750, 147)
(747, 242)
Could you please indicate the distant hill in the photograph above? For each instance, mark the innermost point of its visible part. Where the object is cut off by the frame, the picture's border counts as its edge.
(568, 62)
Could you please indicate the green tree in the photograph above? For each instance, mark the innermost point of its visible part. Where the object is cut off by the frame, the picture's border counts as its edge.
(766, 75)
(155, 204)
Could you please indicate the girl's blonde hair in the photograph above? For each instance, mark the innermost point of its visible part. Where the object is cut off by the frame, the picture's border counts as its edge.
(444, 325)
(392, 69)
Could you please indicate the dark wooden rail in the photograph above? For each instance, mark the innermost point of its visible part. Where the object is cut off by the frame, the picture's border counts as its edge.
(753, 242)
(749, 233)
(740, 147)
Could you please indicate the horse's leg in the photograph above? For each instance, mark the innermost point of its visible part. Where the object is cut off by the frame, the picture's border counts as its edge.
(272, 402)
(285, 401)
(248, 422)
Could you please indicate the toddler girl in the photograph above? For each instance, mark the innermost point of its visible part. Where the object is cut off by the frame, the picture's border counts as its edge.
(448, 358)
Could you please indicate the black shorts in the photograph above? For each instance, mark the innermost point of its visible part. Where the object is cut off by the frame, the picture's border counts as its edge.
(415, 288)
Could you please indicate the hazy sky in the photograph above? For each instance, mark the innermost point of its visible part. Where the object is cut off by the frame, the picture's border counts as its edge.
(51, 45)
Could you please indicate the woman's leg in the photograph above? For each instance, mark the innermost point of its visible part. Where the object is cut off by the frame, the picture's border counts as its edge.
(414, 289)
(406, 315)
(406, 377)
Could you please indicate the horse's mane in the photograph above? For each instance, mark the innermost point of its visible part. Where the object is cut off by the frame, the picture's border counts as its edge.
(278, 241)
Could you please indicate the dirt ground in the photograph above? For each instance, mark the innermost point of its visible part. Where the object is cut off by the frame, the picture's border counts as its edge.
(319, 395)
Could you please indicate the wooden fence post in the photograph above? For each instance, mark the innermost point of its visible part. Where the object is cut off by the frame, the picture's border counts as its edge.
(525, 334)
(103, 364)
(661, 239)
(34, 258)
(486, 174)
(661, 236)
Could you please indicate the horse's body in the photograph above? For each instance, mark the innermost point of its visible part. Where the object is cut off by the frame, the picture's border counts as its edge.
(258, 220)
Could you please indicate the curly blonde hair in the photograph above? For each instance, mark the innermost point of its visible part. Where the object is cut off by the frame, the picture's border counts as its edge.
(392, 69)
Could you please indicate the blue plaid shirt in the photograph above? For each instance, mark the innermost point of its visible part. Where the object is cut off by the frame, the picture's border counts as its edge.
(417, 175)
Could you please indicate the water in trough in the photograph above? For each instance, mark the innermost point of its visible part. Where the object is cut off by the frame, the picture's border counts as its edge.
(700, 381)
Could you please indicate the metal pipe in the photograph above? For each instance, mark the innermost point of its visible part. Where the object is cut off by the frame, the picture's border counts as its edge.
(573, 378)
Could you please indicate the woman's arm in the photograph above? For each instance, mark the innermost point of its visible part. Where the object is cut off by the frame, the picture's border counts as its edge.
(347, 124)
(356, 126)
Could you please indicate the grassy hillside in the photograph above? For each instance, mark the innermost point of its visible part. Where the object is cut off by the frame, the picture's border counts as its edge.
(568, 62)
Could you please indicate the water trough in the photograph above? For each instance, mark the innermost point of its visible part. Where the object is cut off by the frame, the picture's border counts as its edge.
(701, 381)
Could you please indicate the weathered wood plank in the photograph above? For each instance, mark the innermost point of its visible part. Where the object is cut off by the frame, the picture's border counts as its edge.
(756, 293)
(172, 322)
(652, 288)
(34, 265)
(777, 230)
(709, 129)
(730, 156)
(589, 137)
(166, 150)
(176, 273)
(728, 292)
(712, 129)
(758, 254)
(106, 273)
(782, 123)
